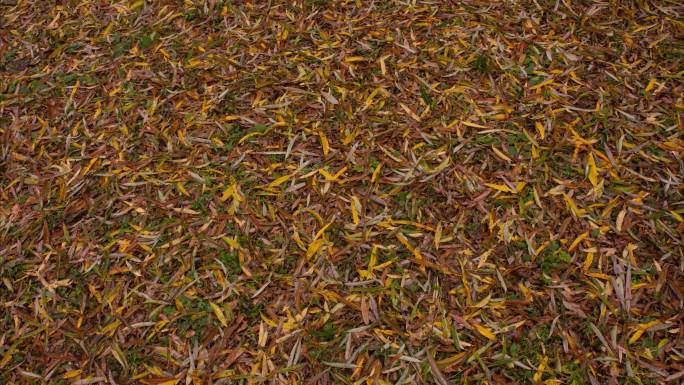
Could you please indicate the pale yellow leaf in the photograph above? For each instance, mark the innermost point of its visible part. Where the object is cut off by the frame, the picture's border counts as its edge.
(438, 235)
(592, 171)
(483, 302)
(485, 332)
(442, 165)
(410, 112)
(620, 219)
(471, 124)
(219, 314)
(383, 68)
(500, 154)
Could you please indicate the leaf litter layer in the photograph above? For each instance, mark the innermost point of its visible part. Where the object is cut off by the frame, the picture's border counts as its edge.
(341, 192)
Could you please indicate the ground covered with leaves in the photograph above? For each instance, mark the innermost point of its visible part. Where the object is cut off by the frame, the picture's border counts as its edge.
(341, 192)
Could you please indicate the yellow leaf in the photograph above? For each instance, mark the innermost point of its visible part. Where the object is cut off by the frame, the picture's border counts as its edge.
(438, 235)
(641, 328)
(72, 373)
(324, 142)
(182, 189)
(355, 206)
(599, 275)
(576, 211)
(412, 223)
(228, 193)
(251, 134)
(136, 5)
(588, 261)
(592, 171)
(169, 382)
(529, 137)
(577, 240)
(540, 128)
(111, 328)
(442, 165)
(520, 186)
(373, 258)
(540, 370)
(280, 180)
(243, 265)
(369, 99)
(500, 187)
(542, 84)
(637, 334)
(314, 247)
(157, 328)
(483, 257)
(108, 29)
(339, 173)
(89, 166)
(471, 124)
(650, 85)
(483, 302)
(219, 314)
(114, 91)
(320, 232)
(352, 59)
(676, 216)
(232, 242)
(500, 154)
(405, 242)
(450, 360)
(330, 177)
(119, 356)
(5, 359)
(350, 137)
(410, 112)
(485, 332)
(268, 321)
(374, 177)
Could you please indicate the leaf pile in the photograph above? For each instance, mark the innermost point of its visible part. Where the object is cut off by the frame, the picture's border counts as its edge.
(341, 192)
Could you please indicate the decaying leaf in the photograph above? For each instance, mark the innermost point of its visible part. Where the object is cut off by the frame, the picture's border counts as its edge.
(341, 192)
